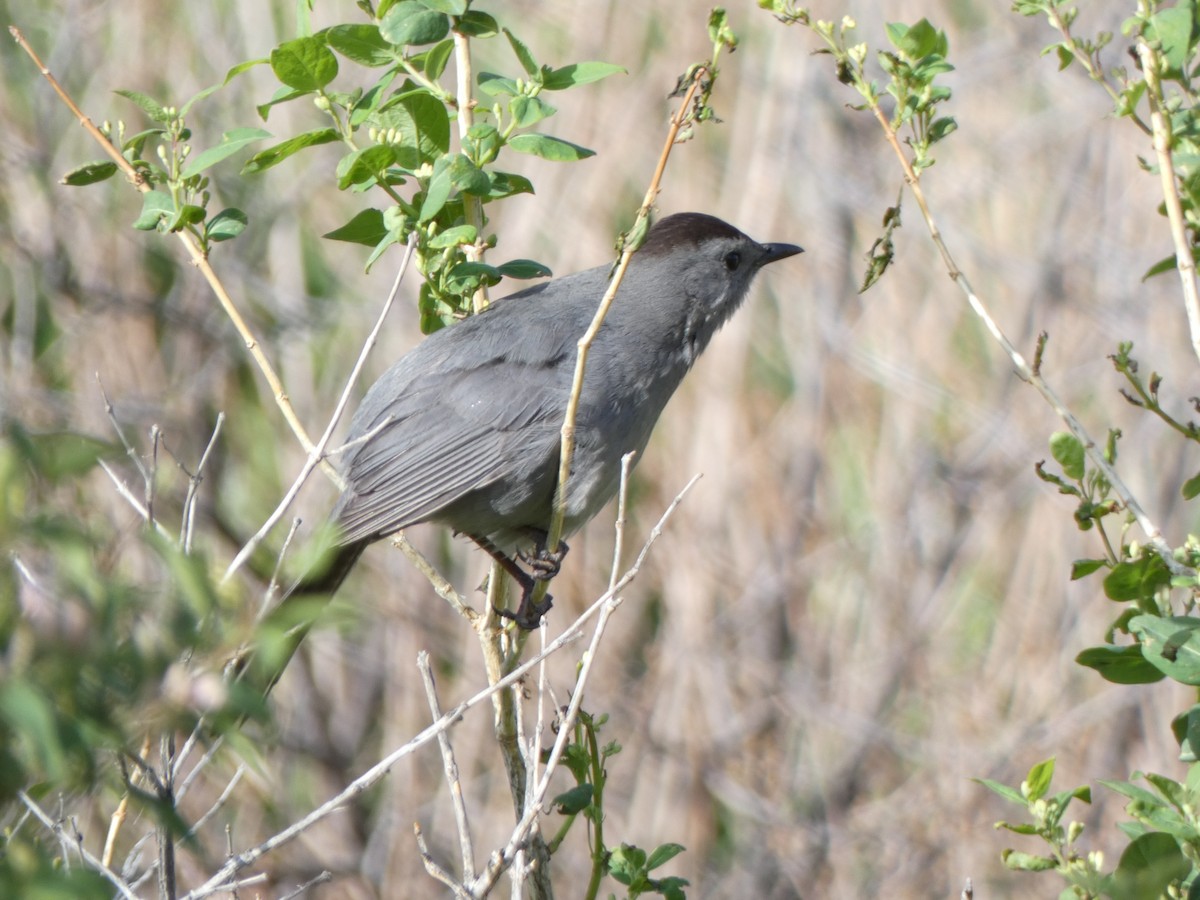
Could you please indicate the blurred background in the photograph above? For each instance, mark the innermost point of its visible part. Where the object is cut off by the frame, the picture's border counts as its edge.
(862, 605)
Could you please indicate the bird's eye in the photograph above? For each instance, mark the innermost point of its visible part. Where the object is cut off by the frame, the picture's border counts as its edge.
(733, 260)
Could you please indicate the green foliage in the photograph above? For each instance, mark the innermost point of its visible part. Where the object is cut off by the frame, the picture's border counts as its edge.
(1154, 637)
(628, 865)
(396, 128)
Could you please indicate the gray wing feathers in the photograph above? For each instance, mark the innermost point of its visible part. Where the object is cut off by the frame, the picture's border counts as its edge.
(426, 455)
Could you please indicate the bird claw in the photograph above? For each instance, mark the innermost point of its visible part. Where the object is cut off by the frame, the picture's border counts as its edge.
(529, 614)
(543, 563)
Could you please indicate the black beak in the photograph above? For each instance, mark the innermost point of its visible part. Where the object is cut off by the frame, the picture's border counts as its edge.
(779, 251)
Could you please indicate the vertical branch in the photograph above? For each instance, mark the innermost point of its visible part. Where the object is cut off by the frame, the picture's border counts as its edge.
(166, 840)
(472, 205)
(1185, 263)
(555, 531)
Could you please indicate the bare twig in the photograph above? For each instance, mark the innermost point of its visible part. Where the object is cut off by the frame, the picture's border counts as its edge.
(192, 247)
(127, 495)
(555, 531)
(56, 826)
(235, 864)
(436, 869)
(1094, 451)
(606, 605)
(317, 453)
(302, 889)
(451, 769)
(1185, 264)
(194, 479)
(441, 586)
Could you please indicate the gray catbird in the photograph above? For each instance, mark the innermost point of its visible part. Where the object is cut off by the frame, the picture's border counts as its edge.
(464, 430)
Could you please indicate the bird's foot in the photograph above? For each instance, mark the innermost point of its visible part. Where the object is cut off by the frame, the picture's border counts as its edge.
(529, 614)
(544, 563)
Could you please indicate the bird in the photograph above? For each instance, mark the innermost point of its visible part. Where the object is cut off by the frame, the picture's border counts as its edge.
(464, 430)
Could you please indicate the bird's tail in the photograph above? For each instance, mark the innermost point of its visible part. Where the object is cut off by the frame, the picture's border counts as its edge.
(296, 613)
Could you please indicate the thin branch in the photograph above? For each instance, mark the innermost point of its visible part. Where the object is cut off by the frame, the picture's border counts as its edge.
(441, 586)
(1024, 370)
(302, 889)
(190, 245)
(127, 494)
(567, 451)
(194, 479)
(451, 770)
(56, 827)
(220, 880)
(1185, 263)
(436, 869)
(317, 453)
(606, 605)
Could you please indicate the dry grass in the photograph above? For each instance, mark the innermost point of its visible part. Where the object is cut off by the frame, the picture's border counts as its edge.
(865, 601)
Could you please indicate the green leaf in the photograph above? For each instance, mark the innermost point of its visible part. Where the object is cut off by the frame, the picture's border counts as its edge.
(524, 57)
(361, 43)
(362, 165)
(1166, 264)
(526, 111)
(436, 58)
(365, 228)
(1038, 780)
(1068, 453)
(497, 85)
(437, 192)
(942, 127)
(662, 854)
(150, 107)
(1008, 793)
(226, 224)
(304, 64)
(524, 268)
(231, 142)
(453, 237)
(468, 275)
(272, 156)
(1148, 865)
(576, 800)
(477, 24)
(505, 184)
(392, 237)
(198, 96)
(283, 95)
(1136, 579)
(62, 455)
(468, 177)
(449, 7)
(1174, 27)
(916, 41)
(1171, 644)
(578, 73)
(1186, 727)
(188, 214)
(1081, 568)
(551, 148)
(244, 67)
(410, 23)
(1120, 665)
(155, 206)
(30, 714)
(89, 173)
(1027, 862)
(1191, 487)
(421, 121)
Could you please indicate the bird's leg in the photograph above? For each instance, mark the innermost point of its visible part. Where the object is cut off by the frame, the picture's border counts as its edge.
(528, 613)
(543, 563)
